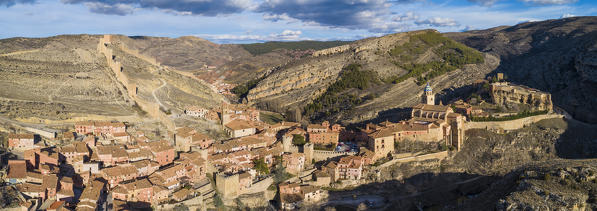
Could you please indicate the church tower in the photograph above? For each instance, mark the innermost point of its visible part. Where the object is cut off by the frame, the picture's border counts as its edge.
(429, 97)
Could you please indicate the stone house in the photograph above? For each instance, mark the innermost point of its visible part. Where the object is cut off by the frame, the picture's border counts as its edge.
(162, 151)
(294, 162)
(99, 127)
(350, 168)
(323, 133)
(21, 141)
(196, 111)
(17, 171)
(239, 128)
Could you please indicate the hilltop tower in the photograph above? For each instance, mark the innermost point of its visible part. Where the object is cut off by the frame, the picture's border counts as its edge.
(429, 97)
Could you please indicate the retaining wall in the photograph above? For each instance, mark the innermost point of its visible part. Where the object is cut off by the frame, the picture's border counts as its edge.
(259, 186)
(438, 155)
(511, 124)
(320, 155)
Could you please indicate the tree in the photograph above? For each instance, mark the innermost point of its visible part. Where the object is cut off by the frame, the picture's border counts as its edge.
(261, 166)
(298, 139)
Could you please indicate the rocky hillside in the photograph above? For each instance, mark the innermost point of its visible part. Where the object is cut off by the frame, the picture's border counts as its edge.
(231, 63)
(391, 70)
(66, 77)
(557, 56)
(57, 77)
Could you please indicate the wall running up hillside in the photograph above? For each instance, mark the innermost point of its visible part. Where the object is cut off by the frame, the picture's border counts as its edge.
(152, 108)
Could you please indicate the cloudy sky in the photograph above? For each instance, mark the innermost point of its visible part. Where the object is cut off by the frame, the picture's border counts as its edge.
(243, 21)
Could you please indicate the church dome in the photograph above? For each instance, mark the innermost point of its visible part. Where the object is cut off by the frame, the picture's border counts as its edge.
(428, 88)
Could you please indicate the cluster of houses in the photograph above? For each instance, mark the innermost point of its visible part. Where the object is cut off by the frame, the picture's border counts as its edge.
(134, 171)
(104, 161)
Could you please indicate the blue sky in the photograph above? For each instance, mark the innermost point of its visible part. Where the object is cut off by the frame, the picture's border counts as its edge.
(244, 21)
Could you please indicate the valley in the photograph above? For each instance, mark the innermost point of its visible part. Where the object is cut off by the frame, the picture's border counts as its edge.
(495, 119)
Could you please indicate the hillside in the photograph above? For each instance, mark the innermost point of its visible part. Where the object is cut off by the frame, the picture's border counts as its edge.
(557, 56)
(231, 63)
(267, 47)
(354, 82)
(67, 78)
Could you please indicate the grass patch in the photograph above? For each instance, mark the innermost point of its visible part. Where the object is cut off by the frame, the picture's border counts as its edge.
(270, 117)
(453, 56)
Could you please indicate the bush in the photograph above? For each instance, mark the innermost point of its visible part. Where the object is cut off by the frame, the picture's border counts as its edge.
(298, 139)
(243, 89)
(261, 166)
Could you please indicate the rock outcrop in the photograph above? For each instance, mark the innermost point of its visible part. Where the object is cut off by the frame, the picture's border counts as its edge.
(556, 56)
(298, 83)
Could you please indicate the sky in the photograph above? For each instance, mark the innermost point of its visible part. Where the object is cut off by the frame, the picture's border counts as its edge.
(248, 21)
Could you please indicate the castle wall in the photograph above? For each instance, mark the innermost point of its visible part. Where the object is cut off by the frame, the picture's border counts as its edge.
(259, 186)
(152, 108)
(510, 125)
(438, 155)
(47, 134)
(319, 155)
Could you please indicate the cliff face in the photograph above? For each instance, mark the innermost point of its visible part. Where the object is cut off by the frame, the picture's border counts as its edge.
(299, 83)
(556, 56)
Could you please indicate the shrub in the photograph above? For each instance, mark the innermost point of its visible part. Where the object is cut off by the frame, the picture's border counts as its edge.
(243, 89)
(298, 139)
(335, 99)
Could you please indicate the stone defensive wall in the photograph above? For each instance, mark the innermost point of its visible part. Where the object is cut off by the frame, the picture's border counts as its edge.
(319, 155)
(260, 186)
(404, 159)
(152, 108)
(511, 124)
(47, 134)
(337, 49)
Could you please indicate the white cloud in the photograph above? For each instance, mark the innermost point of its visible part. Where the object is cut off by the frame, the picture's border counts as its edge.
(286, 35)
(567, 15)
(548, 2)
(115, 9)
(409, 16)
(438, 22)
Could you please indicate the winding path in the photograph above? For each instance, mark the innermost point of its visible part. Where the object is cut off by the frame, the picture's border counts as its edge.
(155, 90)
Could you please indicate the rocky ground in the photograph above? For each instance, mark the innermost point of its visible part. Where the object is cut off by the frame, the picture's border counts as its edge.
(557, 56)
(486, 173)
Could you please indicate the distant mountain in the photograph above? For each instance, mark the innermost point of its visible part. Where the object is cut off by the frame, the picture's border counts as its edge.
(267, 47)
(557, 56)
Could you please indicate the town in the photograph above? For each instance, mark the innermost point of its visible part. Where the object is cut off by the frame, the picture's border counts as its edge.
(109, 165)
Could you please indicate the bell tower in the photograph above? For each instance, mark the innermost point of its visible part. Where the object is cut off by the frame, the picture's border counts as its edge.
(429, 97)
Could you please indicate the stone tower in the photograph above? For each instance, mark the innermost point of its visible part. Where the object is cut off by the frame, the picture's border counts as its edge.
(308, 150)
(429, 97)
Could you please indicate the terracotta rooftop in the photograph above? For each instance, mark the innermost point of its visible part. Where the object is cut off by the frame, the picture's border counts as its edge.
(436, 108)
(17, 169)
(239, 124)
(21, 136)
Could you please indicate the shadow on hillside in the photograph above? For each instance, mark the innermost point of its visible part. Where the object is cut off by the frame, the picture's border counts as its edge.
(579, 141)
(421, 191)
(392, 115)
